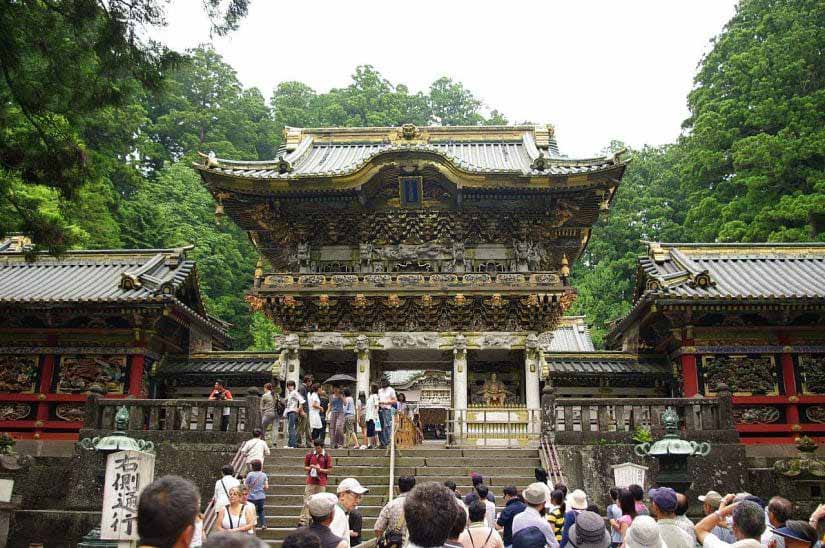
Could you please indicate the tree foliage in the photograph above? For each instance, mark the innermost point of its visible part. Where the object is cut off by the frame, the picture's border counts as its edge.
(750, 165)
(371, 100)
(98, 126)
(755, 142)
(68, 70)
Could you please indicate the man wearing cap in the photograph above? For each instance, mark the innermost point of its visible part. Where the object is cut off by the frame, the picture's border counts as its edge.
(748, 524)
(322, 509)
(589, 531)
(664, 510)
(710, 503)
(796, 534)
(349, 495)
(535, 497)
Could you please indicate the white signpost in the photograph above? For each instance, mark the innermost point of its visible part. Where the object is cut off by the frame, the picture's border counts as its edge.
(627, 473)
(127, 473)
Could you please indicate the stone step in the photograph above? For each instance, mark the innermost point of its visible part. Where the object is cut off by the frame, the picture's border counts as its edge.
(292, 521)
(295, 510)
(279, 462)
(377, 482)
(428, 470)
(418, 452)
(298, 489)
(296, 479)
(370, 499)
(280, 533)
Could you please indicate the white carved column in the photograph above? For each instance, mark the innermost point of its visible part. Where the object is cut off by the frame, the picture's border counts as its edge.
(532, 372)
(460, 386)
(291, 357)
(362, 365)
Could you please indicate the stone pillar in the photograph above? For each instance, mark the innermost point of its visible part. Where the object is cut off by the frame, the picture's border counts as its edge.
(532, 366)
(459, 387)
(253, 412)
(362, 365)
(725, 407)
(548, 410)
(291, 357)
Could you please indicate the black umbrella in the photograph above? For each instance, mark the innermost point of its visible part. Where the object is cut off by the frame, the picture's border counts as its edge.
(340, 378)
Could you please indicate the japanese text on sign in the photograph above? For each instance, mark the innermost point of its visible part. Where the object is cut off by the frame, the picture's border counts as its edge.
(127, 473)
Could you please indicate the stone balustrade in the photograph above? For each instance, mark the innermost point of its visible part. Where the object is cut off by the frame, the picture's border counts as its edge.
(599, 420)
(182, 420)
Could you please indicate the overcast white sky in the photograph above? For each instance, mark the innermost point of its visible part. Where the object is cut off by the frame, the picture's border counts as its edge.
(597, 70)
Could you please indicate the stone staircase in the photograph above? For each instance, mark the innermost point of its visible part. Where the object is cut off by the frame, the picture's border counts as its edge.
(500, 468)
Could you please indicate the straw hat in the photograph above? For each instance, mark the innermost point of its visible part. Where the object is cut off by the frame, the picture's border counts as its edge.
(577, 500)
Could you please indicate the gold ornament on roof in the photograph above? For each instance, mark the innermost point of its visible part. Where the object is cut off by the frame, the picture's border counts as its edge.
(409, 131)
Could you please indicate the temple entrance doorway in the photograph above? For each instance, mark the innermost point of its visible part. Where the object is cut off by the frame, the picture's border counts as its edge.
(428, 395)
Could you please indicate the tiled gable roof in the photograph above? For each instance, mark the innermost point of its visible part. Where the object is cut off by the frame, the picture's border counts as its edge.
(603, 364)
(734, 271)
(104, 277)
(330, 152)
(571, 335)
(226, 364)
(93, 276)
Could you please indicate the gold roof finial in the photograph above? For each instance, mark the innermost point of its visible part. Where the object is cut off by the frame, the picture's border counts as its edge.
(565, 266)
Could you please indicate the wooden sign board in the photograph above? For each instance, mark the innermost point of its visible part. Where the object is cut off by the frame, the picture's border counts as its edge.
(627, 473)
(127, 473)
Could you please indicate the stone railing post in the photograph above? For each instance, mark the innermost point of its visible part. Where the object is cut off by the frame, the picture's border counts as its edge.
(91, 417)
(725, 407)
(548, 409)
(253, 413)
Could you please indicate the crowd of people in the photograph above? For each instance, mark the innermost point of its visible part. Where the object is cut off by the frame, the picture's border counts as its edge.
(435, 515)
(429, 515)
(311, 414)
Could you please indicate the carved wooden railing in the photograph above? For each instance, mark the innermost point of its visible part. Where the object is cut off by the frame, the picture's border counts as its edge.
(182, 420)
(585, 420)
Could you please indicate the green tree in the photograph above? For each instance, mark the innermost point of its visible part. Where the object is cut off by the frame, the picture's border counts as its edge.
(371, 100)
(263, 332)
(754, 161)
(64, 65)
(648, 206)
(204, 107)
(174, 209)
(454, 105)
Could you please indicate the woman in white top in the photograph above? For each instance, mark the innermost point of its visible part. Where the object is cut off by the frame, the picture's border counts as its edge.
(197, 536)
(236, 517)
(314, 400)
(371, 417)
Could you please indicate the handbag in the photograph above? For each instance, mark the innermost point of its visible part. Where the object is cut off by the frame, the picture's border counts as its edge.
(390, 539)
